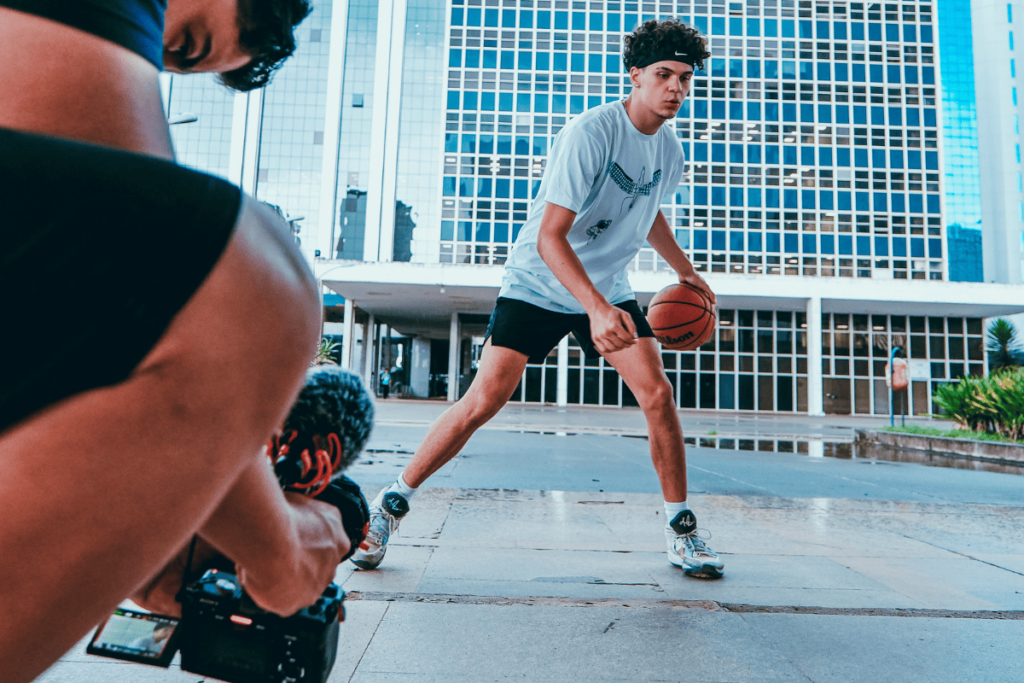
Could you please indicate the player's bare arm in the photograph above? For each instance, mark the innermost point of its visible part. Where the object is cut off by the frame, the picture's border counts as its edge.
(664, 242)
(611, 328)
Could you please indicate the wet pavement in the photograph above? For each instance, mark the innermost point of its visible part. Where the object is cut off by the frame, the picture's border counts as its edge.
(538, 555)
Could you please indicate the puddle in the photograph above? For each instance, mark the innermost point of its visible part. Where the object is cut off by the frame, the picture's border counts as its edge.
(847, 450)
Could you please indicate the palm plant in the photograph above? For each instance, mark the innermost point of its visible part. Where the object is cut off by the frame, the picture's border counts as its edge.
(1003, 349)
(325, 352)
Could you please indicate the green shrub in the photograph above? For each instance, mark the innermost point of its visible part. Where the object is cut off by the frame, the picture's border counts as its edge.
(990, 404)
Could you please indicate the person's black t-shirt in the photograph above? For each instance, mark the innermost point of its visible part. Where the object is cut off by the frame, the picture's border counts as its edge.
(137, 25)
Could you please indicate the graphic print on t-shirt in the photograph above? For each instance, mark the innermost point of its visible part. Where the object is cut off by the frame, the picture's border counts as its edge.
(594, 231)
(634, 188)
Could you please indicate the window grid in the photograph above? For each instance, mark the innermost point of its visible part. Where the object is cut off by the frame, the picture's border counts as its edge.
(855, 350)
(507, 63)
(757, 360)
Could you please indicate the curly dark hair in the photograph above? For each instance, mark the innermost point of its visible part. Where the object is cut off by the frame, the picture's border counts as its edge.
(266, 31)
(654, 38)
(333, 400)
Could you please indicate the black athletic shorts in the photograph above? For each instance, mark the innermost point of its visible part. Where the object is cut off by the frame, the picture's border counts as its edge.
(534, 331)
(100, 250)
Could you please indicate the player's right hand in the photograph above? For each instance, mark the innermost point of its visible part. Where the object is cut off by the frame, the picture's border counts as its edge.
(612, 329)
(293, 583)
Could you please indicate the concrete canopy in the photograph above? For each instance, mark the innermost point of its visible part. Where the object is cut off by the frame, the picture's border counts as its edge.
(419, 298)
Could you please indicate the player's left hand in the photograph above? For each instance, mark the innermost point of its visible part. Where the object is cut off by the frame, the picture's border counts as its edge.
(690, 277)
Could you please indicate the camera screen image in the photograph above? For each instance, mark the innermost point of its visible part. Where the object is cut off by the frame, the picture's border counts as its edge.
(136, 636)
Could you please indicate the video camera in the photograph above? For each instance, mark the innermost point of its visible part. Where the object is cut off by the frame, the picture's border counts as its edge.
(222, 633)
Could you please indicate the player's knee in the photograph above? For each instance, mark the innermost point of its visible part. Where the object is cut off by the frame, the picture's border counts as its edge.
(657, 396)
(481, 409)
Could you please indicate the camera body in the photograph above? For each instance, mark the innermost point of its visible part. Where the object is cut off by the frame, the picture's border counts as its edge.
(227, 636)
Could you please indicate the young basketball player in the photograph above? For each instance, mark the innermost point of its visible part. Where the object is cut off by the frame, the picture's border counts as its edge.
(599, 201)
(150, 429)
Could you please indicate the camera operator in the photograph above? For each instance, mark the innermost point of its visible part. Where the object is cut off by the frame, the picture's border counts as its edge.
(194, 318)
(333, 406)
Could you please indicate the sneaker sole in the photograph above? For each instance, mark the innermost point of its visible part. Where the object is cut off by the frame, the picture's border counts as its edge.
(705, 571)
(366, 564)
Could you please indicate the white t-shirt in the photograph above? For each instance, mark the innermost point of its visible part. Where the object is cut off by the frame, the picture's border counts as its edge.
(614, 178)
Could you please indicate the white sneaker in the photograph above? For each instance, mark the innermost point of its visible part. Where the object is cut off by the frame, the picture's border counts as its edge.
(687, 550)
(386, 512)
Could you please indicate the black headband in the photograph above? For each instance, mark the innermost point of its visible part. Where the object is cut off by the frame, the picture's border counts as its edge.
(667, 55)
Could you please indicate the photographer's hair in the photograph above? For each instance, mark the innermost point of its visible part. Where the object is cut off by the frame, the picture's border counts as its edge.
(655, 41)
(266, 30)
(331, 419)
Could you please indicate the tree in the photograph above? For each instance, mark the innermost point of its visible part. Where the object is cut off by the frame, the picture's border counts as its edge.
(1004, 352)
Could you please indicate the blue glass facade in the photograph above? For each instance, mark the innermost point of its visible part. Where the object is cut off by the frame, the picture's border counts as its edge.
(418, 184)
(965, 253)
(813, 138)
(204, 144)
(292, 126)
(357, 111)
(961, 181)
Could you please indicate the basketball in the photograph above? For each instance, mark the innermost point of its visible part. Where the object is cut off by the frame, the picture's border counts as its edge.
(682, 317)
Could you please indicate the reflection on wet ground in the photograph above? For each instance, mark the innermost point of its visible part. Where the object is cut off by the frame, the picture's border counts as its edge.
(813, 448)
(847, 450)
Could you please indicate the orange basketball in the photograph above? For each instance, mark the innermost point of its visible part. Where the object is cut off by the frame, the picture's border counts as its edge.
(682, 317)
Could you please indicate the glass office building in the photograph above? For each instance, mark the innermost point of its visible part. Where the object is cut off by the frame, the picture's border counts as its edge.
(961, 185)
(996, 28)
(814, 202)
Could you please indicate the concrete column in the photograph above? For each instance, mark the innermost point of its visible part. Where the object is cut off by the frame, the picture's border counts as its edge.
(246, 125)
(815, 397)
(164, 79)
(348, 335)
(386, 246)
(562, 398)
(359, 354)
(454, 337)
(369, 351)
(325, 236)
(239, 126)
(384, 354)
(419, 368)
(378, 133)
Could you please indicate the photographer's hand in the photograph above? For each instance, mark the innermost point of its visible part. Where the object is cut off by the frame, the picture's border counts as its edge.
(322, 544)
(286, 546)
(160, 594)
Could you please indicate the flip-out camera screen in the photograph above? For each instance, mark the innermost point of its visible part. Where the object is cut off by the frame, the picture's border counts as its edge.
(136, 637)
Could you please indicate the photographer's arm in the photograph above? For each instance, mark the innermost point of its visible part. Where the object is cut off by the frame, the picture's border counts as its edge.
(287, 546)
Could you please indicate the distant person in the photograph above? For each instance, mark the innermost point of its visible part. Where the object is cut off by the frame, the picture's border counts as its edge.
(113, 460)
(385, 383)
(608, 173)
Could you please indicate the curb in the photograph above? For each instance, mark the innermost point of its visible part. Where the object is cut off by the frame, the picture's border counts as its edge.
(868, 441)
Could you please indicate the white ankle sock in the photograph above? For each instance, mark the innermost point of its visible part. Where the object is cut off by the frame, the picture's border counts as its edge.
(402, 488)
(673, 509)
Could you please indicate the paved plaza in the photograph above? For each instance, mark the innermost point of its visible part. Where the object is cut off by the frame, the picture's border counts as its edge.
(537, 555)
